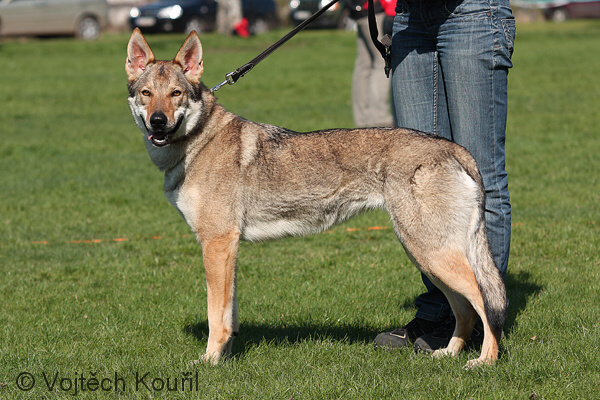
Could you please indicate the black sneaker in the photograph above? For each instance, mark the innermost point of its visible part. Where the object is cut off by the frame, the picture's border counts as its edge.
(439, 338)
(406, 335)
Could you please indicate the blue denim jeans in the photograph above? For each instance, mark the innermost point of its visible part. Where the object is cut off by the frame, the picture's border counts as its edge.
(450, 61)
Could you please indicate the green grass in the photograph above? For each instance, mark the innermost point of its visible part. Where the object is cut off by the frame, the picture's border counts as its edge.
(74, 170)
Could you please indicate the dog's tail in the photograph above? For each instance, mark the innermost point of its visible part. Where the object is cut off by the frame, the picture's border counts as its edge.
(489, 279)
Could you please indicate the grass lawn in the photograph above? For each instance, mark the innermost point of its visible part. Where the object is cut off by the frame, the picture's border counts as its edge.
(102, 286)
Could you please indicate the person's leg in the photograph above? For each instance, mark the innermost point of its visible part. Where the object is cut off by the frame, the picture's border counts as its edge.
(370, 86)
(360, 78)
(379, 84)
(419, 83)
(419, 103)
(414, 74)
(417, 98)
(474, 73)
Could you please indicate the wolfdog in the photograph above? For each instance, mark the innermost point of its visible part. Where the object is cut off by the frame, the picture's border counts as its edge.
(234, 179)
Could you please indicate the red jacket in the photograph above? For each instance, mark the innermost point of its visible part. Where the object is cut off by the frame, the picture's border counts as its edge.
(389, 7)
(358, 11)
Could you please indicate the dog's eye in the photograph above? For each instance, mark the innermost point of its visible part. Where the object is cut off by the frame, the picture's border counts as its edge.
(145, 92)
(176, 93)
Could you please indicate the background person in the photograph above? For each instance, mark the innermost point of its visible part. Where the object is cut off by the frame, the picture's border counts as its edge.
(370, 85)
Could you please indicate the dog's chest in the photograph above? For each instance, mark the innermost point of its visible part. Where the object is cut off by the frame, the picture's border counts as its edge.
(186, 202)
(179, 197)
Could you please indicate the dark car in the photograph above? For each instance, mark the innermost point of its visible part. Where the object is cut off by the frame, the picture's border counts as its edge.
(336, 17)
(563, 10)
(198, 15)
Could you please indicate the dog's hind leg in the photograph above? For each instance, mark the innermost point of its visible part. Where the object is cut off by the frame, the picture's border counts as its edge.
(452, 273)
(220, 255)
(439, 219)
(466, 317)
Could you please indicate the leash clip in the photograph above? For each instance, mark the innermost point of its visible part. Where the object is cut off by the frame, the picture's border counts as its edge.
(217, 87)
(229, 80)
(233, 76)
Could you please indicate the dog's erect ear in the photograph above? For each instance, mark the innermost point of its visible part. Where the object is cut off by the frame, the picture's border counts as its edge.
(189, 57)
(138, 55)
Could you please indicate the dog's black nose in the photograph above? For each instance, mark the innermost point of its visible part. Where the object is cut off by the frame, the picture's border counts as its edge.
(158, 120)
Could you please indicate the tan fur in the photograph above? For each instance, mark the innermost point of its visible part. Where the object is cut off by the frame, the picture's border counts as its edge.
(220, 256)
(234, 179)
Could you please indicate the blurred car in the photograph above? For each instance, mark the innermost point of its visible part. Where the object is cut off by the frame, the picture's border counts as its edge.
(84, 19)
(338, 16)
(563, 10)
(198, 15)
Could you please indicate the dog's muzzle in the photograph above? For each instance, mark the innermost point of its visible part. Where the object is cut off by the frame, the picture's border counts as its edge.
(159, 134)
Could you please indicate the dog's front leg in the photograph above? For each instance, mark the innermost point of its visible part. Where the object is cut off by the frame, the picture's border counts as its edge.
(220, 255)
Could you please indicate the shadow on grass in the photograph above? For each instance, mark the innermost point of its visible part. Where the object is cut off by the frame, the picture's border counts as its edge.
(520, 288)
(253, 334)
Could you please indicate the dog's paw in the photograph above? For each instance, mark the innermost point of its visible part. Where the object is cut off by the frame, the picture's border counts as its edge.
(439, 353)
(206, 359)
(212, 359)
(478, 362)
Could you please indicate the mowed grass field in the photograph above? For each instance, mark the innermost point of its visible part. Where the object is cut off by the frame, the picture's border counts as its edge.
(102, 288)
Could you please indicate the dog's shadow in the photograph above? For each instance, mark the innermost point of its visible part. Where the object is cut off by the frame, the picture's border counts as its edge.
(252, 334)
(520, 287)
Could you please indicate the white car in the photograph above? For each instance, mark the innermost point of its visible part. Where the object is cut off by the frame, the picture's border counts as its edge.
(84, 19)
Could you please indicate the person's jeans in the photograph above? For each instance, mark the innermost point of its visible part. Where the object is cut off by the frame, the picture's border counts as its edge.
(450, 62)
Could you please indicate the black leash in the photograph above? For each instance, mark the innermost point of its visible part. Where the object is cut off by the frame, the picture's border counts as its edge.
(233, 77)
(383, 48)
